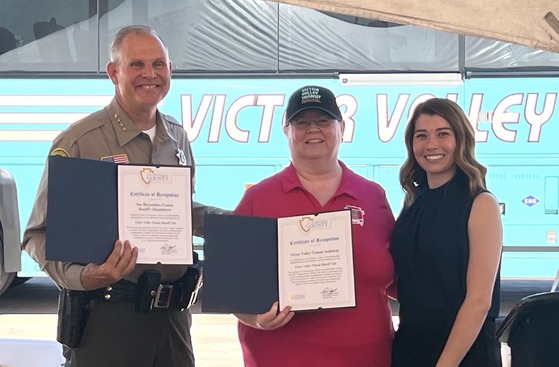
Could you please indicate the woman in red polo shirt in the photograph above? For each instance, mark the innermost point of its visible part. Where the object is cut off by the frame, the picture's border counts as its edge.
(316, 181)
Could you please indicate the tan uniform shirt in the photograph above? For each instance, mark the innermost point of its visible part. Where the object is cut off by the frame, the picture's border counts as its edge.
(104, 134)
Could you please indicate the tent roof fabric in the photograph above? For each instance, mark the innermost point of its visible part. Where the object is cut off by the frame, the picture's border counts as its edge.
(532, 23)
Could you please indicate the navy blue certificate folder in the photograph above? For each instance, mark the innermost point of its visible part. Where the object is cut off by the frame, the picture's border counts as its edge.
(240, 264)
(82, 210)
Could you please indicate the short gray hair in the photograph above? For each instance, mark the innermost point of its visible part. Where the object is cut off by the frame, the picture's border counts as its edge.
(131, 29)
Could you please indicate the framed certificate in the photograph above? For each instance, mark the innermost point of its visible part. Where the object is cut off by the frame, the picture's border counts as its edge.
(304, 261)
(93, 203)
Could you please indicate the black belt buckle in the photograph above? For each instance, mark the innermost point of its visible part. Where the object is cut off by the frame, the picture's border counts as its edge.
(163, 296)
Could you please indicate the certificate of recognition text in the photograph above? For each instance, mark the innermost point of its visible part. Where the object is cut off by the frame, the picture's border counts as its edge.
(315, 258)
(154, 210)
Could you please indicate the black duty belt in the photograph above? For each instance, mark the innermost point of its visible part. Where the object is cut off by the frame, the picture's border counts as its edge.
(149, 293)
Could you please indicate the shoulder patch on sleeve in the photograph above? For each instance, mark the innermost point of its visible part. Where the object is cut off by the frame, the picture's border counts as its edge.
(61, 152)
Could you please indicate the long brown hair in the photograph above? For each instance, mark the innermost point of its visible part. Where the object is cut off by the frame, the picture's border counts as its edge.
(411, 173)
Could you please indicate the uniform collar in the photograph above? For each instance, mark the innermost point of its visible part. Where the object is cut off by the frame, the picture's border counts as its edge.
(126, 130)
(290, 181)
(166, 133)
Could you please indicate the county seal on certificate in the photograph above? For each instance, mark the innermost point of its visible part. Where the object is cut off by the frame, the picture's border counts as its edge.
(305, 262)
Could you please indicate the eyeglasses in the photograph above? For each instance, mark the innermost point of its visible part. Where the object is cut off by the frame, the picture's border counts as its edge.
(304, 123)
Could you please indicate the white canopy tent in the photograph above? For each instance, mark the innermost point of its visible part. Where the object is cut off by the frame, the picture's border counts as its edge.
(532, 23)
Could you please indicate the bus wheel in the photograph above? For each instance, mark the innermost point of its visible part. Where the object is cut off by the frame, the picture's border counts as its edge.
(5, 280)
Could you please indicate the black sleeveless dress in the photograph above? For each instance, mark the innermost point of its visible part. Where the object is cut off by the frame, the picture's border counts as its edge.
(430, 250)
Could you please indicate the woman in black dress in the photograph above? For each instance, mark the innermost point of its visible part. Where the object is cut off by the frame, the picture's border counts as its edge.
(446, 246)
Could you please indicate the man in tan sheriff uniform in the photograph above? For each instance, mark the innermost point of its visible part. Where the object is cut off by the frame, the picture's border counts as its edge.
(129, 130)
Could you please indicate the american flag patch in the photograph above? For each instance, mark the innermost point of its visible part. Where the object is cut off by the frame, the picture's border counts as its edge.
(119, 158)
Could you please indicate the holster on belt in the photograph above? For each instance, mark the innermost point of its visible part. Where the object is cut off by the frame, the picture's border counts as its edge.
(73, 312)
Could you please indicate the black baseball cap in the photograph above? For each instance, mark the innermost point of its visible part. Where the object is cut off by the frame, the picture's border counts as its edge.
(310, 97)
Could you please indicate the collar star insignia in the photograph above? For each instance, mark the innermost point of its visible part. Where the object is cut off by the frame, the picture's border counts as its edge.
(120, 122)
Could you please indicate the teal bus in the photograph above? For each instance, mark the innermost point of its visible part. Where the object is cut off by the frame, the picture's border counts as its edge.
(235, 62)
